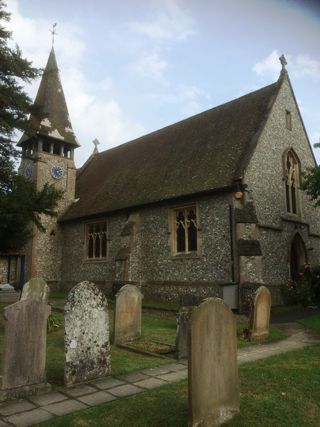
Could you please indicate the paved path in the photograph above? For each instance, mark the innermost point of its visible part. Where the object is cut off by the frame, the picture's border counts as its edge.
(36, 409)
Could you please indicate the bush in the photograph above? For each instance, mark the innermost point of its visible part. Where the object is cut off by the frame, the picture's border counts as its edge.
(305, 289)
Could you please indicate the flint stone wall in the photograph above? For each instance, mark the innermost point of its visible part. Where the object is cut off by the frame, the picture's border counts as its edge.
(127, 314)
(87, 344)
(212, 366)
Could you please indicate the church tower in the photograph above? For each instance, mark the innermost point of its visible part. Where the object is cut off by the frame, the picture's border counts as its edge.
(48, 157)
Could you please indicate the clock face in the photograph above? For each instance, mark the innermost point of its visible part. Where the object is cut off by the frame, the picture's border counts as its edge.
(27, 171)
(56, 172)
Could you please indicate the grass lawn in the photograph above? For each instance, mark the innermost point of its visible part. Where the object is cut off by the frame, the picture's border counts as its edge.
(280, 391)
(312, 322)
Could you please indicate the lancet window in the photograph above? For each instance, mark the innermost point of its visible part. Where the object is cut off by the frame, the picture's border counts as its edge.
(292, 182)
(185, 230)
(96, 238)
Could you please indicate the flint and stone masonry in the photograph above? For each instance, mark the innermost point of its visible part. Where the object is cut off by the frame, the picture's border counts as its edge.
(87, 343)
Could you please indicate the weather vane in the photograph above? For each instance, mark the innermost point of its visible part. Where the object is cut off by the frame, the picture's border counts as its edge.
(53, 32)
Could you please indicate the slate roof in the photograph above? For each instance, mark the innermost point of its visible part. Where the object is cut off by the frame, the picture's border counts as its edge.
(55, 122)
(206, 152)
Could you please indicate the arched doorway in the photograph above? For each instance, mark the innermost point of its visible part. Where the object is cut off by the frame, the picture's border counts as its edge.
(298, 256)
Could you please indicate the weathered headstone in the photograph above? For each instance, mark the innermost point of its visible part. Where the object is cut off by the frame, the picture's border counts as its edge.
(8, 294)
(24, 349)
(36, 289)
(87, 343)
(127, 314)
(261, 314)
(183, 320)
(212, 368)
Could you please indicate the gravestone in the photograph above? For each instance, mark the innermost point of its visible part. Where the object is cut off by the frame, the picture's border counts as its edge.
(8, 294)
(36, 289)
(127, 314)
(183, 320)
(24, 349)
(261, 314)
(212, 366)
(87, 343)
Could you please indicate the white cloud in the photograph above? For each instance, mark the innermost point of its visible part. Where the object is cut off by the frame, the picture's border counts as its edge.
(93, 111)
(171, 22)
(299, 66)
(151, 65)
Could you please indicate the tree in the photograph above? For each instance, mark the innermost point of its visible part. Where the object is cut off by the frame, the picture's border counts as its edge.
(311, 182)
(20, 202)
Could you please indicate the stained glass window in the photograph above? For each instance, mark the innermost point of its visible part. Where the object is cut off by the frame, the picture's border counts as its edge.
(292, 178)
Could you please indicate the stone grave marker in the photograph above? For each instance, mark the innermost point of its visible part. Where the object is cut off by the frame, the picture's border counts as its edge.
(25, 340)
(127, 314)
(183, 320)
(212, 366)
(261, 314)
(8, 294)
(87, 343)
(36, 289)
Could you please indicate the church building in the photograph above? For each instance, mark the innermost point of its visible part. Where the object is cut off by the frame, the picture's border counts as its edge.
(211, 205)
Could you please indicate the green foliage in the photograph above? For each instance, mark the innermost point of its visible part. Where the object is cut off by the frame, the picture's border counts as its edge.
(305, 289)
(311, 184)
(312, 322)
(54, 322)
(20, 202)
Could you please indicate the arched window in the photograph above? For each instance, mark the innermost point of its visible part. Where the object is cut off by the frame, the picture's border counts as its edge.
(292, 182)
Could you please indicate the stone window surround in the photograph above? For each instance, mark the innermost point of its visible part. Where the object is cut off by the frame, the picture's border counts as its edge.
(172, 231)
(288, 120)
(288, 209)
(86, 226)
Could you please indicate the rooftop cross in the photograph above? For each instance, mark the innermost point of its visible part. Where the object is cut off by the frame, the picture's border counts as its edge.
(53, 32)
(95, 143)
(283, 61)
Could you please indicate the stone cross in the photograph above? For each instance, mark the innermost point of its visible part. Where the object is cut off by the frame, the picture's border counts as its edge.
(261, 314)
(127, 314)
(212, 365)
(86, 338)
(95, 143)
(53, 32)
(283, 61)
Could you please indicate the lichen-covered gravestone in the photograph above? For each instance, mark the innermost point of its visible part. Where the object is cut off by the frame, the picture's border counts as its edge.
(36, 289)
(25, 349)
(127, 315)
(212, 368)
(87, 343)
(261, 314)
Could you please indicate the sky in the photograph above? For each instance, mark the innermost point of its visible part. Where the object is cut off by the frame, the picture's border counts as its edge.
(130, 67)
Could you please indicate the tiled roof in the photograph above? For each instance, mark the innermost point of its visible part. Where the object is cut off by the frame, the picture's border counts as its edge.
(205, 152)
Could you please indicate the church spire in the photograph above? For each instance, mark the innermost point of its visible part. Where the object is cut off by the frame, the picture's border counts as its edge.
(55, 122)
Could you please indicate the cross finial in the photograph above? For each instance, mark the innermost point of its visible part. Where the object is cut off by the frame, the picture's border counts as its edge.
(283, 61)
(95, 143)
(53, 32)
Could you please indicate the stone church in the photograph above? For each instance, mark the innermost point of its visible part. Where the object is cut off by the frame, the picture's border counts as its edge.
(211, 205)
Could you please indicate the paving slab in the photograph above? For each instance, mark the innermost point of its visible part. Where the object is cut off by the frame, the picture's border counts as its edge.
(64, 407)
(79, 390)
(29, 418)
(155, 371)
(47, 398)
(125, 390)
(173, 367)
(97, 398)
(133, 377)
(150, 383)
(107, 383)
(174, 376)
(15, 407)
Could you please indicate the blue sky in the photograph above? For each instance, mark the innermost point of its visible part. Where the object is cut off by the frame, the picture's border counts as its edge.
(133, 66)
